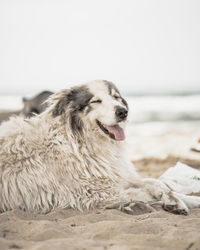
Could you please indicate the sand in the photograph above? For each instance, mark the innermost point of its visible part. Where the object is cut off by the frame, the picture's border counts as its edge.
(112, 229)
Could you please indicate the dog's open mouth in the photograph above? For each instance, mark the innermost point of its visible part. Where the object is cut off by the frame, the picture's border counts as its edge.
(115, 131)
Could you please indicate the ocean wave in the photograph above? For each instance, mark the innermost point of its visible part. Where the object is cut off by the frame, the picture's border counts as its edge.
(141, 108)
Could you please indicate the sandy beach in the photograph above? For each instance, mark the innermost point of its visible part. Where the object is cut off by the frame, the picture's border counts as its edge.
(112, 229)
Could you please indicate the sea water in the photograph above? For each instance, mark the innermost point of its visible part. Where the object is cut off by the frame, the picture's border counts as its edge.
(147, 114)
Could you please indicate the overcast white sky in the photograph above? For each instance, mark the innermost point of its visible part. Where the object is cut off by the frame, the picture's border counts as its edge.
(142, 45)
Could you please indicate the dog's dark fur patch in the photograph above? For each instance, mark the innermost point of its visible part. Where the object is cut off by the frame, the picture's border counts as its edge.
(60, 106)
(89, 108)
(111, 86)
(80, 97)
(77, 98)
(76, 122)
(124, 102)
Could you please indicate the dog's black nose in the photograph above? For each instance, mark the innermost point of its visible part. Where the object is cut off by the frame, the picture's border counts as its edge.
(121, 113)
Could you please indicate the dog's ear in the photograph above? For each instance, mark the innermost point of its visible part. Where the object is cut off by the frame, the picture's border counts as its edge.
(76, 122)
(60, 106)
(64, 98)
(77, 99)
(62, 101)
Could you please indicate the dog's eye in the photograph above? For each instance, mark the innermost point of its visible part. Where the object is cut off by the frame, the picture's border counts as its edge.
(96, 101)
(116, 97)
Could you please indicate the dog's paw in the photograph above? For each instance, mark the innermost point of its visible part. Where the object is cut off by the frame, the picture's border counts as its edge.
(175, 209)
(133, 207)
(170, 201)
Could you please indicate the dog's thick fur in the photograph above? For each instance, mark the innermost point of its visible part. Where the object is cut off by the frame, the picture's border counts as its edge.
(64, 158)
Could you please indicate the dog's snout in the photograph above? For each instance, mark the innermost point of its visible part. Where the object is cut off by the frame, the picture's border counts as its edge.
(121, 113)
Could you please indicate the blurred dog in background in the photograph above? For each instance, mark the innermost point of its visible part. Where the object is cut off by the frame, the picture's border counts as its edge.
(35, 105)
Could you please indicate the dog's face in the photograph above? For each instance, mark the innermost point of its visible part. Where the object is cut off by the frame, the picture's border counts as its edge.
(97, 105)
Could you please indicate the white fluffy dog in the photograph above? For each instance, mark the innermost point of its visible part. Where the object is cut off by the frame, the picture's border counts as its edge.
(73, 156)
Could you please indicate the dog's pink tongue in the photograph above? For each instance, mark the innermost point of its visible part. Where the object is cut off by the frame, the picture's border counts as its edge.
(117, 131)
